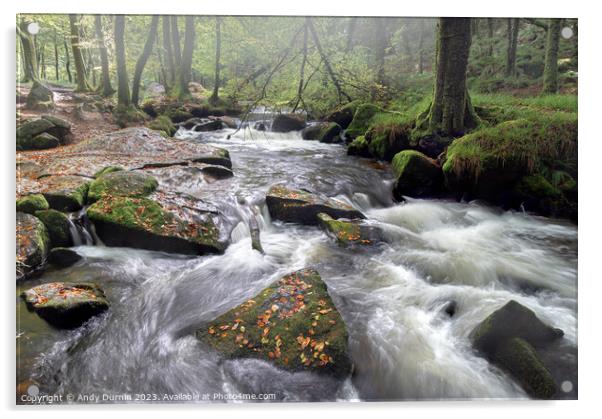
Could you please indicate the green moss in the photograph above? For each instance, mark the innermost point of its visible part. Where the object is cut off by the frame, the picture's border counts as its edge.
(522, 361)
(164, 124)
(122, 183)
(292, 323)
(361, 120)
(178, 115)
(538, 186)
(32, 203)
(57, 225)
(359, 147)
(69, 193)
(402, 159)
(108, 169)
(32, 244)
(126, 115)
(346, 232)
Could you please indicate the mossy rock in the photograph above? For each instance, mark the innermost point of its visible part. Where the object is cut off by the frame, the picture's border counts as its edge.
(520, 359)
(66, 305)
(325, 132)
(361, 120)
(511, 321)
(41, 133)
(106, 170)
(293, 324)
(32, 244)
(125, 116)
(65, 193)
(177, 115)
(32, 203)
(40, 97)
(41, 142)
(58, 227)
(164, 124)
(359, 147)
(386, 140)
(416, 175)
(344, 114)
(63, 257)
(286, 122)
(122, 183)
(535, 193)
(349, 232)
(298, 206)
(33, 127)
(144, 224)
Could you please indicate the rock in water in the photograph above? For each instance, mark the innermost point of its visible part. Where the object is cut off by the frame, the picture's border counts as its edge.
(32, 244)
(297, 206)
(40, 97)
(63, 257)
(288, 122)
(65, 193)
(325, 132)
(66, 305)
(292, 324)
(122, 183)
(348, 232)
(416, 174)
(58, 226)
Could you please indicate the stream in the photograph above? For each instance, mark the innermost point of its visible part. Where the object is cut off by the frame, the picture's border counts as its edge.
(392, 296)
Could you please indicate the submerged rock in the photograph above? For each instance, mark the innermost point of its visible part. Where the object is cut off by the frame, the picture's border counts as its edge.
(348, 232)
(416, 175)
(325, 132)
(32, 203)
(66, 305)
(298, 206)
(32, 244)
(509, 338)
(288, 122)
(122, 183)
(63, 257)
(58, 225)
(293, 324)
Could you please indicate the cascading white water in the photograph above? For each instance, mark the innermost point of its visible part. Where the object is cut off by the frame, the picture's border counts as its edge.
(391, 296)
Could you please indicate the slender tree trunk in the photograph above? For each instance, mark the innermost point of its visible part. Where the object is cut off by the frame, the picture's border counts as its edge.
(490, 36)
(42, 62)
(107, 89)
(302, 70)
(351, 33)
(513, 26)
(186, 64)
(550, 73)
(218, 48)
(421, 47)
(379, 51)
(175, 40)
(162, 75)
(123, 89)
(56, 57)
(91, 67)
(28, 51)
(146, 52)
(451, 111)
(80, 68)
(67, 62)
(168, 50)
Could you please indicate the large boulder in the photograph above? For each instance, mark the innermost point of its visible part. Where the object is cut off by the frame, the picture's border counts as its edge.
(325, 132)
(58, 226)
(40, 97)
(122, 183)
(361, 120)
(350, 232)
(153, 224)
(509, 338)
(66, 305)
(359, 147)
(63, 257)
(416, 175)
(64, 193)
(33, 244)
(286, 122)
(163, 124)
(343, 115)
(298, 206)
(32, 203)
(41, 133)
(293, 324)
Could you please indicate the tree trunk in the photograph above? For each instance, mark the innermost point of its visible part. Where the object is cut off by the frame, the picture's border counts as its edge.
(42, 62)
(80, 68)
(146, 52)
(168, 51)
(218, 48)
(351, 33)
(550, 73)
(56, 57)
(186, 64)
(123, 89)
(380, 46)
(107, 89)
(451, 112)
(28, 50)
(302, 71)
(490, 35)
(67, 62)
(421, 47)
(175, 40)
(512, 33)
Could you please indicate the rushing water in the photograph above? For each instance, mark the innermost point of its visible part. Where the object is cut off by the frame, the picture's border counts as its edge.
(392, 296)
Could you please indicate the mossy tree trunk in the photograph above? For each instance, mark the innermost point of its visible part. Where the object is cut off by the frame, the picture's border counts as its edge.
(186, 59)
(550, 73)
(123, 89)
(214, 99)
(107, 89)
(175, 41)
(146, 52)
(30, 59)
(451, 112)
(67, 62)
(168, 52)
(513, 25)
(56, 57)
(301, 85)
(421, 46)
(78, 58)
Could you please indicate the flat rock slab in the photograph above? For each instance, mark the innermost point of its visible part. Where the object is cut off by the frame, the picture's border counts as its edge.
(122, 183)
(66, 305)
(298, 206)
(32, 244)
(350, 232)
(63, 193)
(293, 324)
